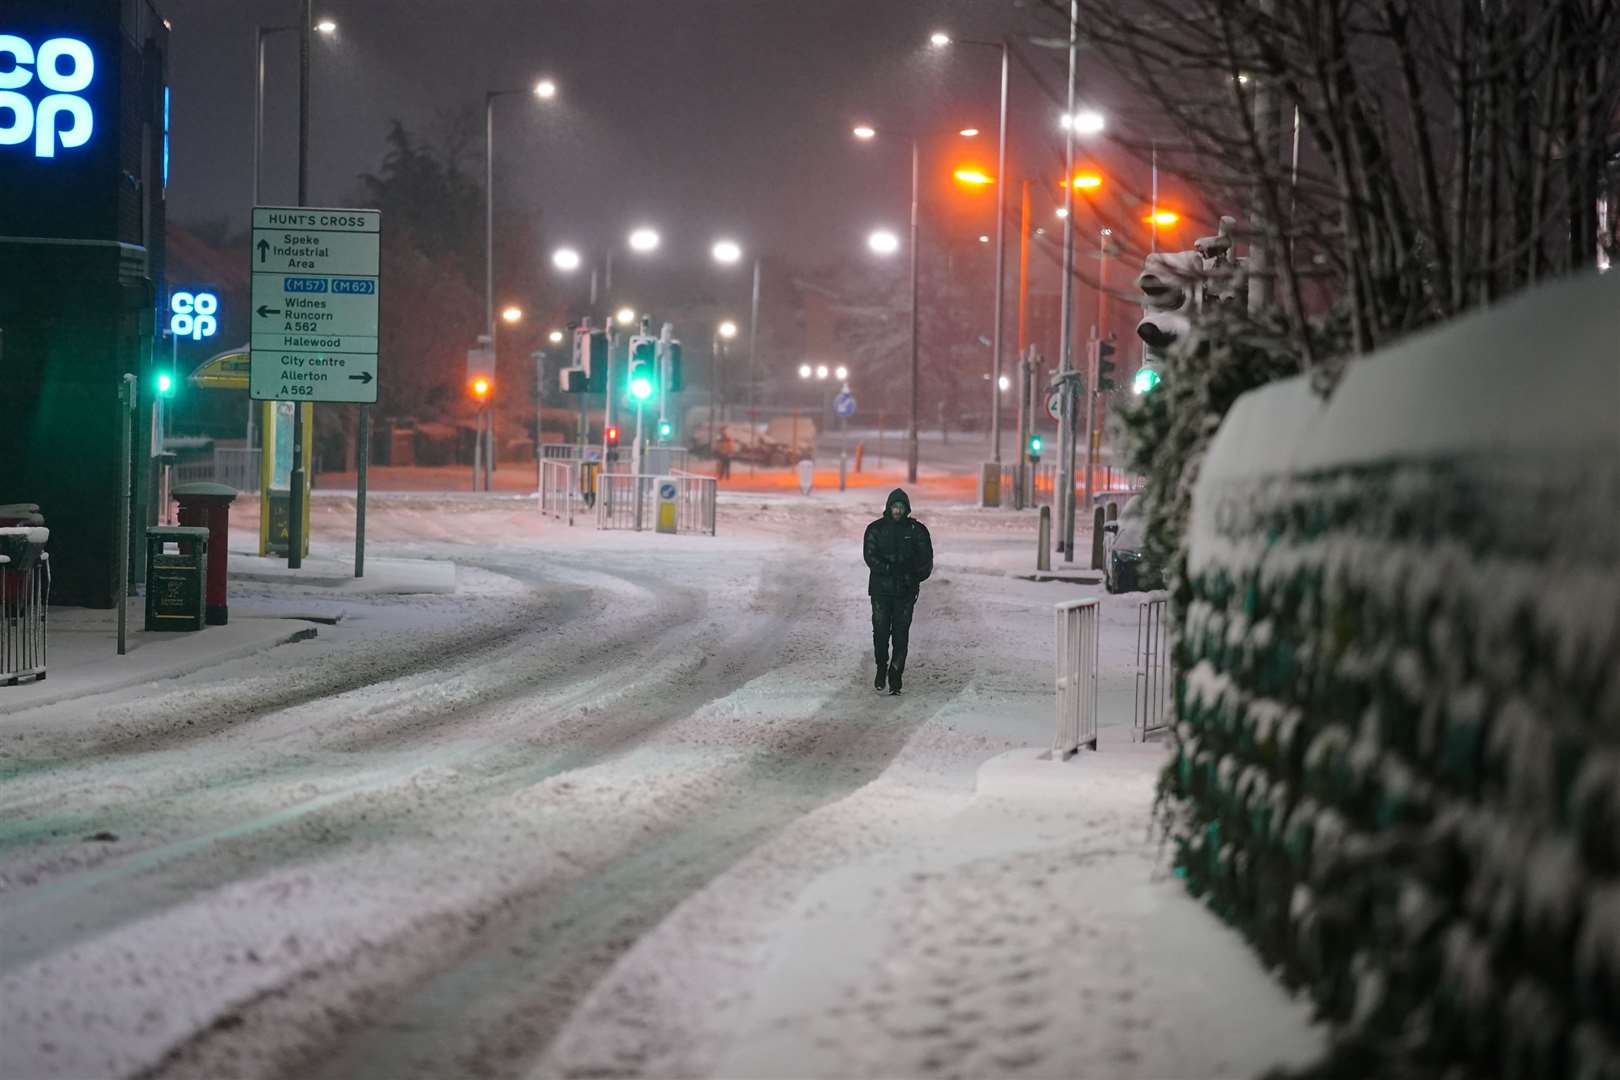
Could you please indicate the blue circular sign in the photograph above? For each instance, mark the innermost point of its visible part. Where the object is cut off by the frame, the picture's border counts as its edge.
(666, 491)
(844, 404)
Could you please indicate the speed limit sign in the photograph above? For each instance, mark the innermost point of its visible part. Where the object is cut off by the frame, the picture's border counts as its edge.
(1054, 404)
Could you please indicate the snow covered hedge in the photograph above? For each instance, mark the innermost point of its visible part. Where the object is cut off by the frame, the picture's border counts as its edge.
(1397, 755)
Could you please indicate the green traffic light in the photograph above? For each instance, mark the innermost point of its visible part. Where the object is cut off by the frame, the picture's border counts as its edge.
(1035, 444)
(165, 383)
(665, 429)
(641, 388)
(1146, 379)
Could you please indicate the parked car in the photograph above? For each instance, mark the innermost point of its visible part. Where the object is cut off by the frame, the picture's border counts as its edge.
(1126, 565)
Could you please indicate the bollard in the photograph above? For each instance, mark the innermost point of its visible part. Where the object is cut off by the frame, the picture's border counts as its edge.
(1043, 545)
(1098, 518)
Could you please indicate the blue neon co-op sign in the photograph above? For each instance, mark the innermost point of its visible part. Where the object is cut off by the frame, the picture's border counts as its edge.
(41, 94)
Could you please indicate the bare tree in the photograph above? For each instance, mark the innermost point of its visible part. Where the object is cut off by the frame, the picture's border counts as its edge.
(1414, 159)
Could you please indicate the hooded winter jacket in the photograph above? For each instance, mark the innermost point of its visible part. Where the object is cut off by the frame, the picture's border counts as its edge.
(900, 554)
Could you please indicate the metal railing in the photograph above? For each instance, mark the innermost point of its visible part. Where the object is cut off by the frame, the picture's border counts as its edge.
(1077, 625)
(626, 501)
(25, 594)
(1150, 713)
(559, 489)
(237, 466)
(570, 451)
(232, 465)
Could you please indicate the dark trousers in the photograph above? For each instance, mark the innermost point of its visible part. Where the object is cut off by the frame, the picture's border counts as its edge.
(891, 618)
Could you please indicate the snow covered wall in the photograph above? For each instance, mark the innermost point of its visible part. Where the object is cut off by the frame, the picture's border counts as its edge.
(1397, 762)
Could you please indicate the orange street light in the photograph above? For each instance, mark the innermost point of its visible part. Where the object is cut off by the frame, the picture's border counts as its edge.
(1163, 217)
(480, 389)
(973, 176)
(1086, 182)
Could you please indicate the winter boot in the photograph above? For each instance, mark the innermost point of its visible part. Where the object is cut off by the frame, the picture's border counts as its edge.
(894, 681)
(882, 678)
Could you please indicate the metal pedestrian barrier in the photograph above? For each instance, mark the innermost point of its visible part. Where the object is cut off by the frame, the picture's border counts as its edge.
(1150, 711)
(25, 595)
(630, 501)
(1078, 623)
(560, 491)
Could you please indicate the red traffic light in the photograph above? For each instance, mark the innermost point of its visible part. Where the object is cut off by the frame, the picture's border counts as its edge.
(480, 388)
(613, 435)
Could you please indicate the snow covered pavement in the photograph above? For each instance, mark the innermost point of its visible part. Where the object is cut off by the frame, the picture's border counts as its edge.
(623, 805)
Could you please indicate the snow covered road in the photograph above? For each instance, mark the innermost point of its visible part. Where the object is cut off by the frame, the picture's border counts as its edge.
(559, 823)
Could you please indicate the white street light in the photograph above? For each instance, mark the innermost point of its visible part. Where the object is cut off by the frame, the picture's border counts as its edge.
(842, 373)
(626, 316)
(865, 131)
(728, 329)
(511, 313)
(555, 337)
(968, 133)
(1063, 211)
(939, 39)
(644, 239)
(1085, 122)
(804, 371)
(566, 259)
(821, 371)
(883, 242)
(545, 89)
(326, 26)
(983, 239)
(1004, 382)
(726, 251)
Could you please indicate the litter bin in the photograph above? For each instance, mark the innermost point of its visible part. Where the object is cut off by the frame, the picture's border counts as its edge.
(174, 579)
(207, 505)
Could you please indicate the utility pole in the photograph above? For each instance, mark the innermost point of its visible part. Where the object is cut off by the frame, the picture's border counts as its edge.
(911, 443)
(1001, 259)
(295, 502)
(753, 359)
(1065, 486)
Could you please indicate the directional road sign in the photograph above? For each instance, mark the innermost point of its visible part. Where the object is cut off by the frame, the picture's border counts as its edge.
(314, 304)
(844, 404)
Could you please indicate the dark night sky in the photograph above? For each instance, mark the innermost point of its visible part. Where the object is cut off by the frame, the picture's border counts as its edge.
(700, 116)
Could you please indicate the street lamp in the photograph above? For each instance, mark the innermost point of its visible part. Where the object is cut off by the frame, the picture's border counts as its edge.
(805, 371)
(555, 337)
(326, 26)
(884, 242)
(842, 373)
(511, 313)
(545, 89)
(940, 39)
(625, 316)
(644, 239)
(1084, 122)
(566, 259)
(726, 251)
(728, 329)
(489, 192)
(821, 371)
(976, 177)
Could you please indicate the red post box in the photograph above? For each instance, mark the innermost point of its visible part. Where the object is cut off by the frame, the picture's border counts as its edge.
(209, 506)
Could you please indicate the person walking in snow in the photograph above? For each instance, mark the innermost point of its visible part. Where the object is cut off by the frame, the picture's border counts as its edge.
(900, 555)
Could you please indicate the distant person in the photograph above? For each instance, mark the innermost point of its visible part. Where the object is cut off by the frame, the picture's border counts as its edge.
(724, 451)
(901, 556)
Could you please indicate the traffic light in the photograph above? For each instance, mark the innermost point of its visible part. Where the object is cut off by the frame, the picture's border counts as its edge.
(1146, 379)
(666, 429)
(1034, 449)
(1107, 365)
(1169, 295)
(481, 388)
(163, 383)
(613, 435)
(673, 366)
(590, 357)
(643, 383)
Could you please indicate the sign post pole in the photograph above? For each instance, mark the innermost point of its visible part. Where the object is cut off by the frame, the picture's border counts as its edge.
(314, 320)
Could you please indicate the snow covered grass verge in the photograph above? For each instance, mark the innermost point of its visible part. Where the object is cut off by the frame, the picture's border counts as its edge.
(1397, 761)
